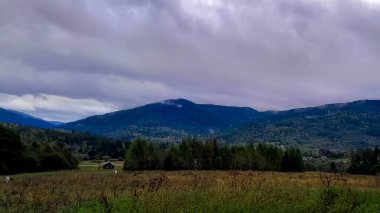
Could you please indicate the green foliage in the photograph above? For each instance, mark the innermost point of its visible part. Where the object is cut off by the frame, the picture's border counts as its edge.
(337, 126)
(17, 155)
(365, 161)
(11, 149)
(292, 161)
(140, 156)
(87, 145)
(193, 154)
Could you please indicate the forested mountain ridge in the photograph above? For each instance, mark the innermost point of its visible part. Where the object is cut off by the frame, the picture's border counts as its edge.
(11, 116)
(167, 121)
(335, 126)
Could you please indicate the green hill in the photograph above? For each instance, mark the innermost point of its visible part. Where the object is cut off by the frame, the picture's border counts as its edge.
(333, 126)
(166, 121)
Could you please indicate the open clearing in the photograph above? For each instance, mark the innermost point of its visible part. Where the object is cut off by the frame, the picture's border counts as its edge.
(93, 190)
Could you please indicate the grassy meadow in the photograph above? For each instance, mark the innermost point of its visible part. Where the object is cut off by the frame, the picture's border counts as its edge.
(89, 189)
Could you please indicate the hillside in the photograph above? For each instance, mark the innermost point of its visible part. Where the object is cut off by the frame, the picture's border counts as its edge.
(335, 126)
(31, 154)
(83, 145)
(166, 121)
(10, 116)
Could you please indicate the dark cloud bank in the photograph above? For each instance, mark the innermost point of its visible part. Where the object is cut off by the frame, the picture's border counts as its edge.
(67, 59)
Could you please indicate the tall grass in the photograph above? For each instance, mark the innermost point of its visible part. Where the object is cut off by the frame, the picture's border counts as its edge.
(191, 191)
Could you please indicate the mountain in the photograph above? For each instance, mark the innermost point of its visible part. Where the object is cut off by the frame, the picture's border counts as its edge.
(341, 126)
(333, 126)
(10, 116)
(56, 123)
(166, 120)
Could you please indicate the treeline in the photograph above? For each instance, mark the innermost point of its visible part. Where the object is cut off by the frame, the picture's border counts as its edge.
(365, 161)
(85, 146)
(17, 155)
(193, 154)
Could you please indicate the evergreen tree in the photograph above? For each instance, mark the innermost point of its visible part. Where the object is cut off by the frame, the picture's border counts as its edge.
(196, 154)
(292, 161)
(31, 154)
(332, 167)
(11, 150)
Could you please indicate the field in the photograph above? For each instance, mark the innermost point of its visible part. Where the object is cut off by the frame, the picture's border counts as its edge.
(88, 189)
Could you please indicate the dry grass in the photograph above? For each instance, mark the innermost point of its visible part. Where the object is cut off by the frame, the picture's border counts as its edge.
(52, 191)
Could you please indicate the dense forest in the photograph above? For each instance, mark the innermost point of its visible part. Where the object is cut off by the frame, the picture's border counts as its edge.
(353, 125)
(209, 155)
(28, 149)
(17, 155)
(365, 161)
(85, 146)
(166, 121)
(341, 127)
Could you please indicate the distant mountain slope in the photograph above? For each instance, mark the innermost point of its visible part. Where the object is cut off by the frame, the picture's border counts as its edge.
(56, 123)
(166, 120)
(10, 116)
(341, 126)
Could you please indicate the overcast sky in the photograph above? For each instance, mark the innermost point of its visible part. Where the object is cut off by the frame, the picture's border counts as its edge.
(68, 59)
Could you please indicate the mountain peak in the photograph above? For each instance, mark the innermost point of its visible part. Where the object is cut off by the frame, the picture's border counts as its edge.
(180, 102)
(172, 118)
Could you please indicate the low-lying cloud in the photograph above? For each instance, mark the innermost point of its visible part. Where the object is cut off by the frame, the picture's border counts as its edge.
(45, 106)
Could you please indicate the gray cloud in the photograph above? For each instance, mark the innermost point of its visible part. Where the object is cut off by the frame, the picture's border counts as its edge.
(272, 54)
(45, 106)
